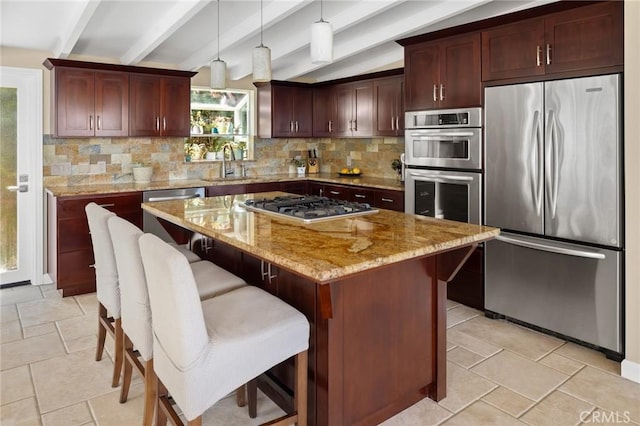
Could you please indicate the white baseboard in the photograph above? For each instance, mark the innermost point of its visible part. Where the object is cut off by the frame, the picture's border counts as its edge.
(630, 370)
(46, 279)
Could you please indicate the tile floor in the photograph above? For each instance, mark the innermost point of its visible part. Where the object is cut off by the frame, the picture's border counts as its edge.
(498, 374)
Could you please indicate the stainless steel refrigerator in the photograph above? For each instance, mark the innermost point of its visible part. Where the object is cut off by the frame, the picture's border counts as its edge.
(553, 184)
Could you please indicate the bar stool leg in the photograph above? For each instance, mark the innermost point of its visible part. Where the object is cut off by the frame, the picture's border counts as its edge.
(102, 331)
(117, 362)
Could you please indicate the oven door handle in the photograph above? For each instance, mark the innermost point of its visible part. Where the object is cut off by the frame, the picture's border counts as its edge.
(426, 134)
(440, 178)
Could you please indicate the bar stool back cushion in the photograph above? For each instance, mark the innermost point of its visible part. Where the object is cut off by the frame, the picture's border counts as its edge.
(107, 287)
(136, 312)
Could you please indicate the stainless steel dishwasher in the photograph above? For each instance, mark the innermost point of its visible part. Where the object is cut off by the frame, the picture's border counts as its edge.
(150, 223)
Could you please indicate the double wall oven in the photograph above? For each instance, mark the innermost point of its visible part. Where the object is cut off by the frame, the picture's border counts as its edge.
(443, 158)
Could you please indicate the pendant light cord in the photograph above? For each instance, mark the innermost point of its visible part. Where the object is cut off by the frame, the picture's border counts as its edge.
(321, 20)
(261, 45)
(218, 29)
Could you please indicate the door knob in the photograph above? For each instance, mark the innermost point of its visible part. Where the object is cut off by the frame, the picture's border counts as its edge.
(18, 188)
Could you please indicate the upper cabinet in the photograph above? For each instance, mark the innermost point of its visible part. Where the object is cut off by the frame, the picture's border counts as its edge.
(388, 96)
(284, 110)
(106, 100)
(354, 109)
(324, 112)
(160, 106)
(443, 74)
(575, 40)
(89, 103)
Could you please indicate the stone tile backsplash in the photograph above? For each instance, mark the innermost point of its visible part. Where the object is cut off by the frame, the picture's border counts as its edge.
(104, 160)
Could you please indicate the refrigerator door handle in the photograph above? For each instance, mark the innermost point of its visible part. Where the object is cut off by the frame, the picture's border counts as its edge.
(551, 249)
(555, 143)
(550, 160)
(536, 163)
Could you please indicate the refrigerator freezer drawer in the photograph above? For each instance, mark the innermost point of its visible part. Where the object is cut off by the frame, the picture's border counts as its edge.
(570, 289)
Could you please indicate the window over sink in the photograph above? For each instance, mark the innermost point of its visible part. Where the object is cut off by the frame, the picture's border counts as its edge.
(219, 117)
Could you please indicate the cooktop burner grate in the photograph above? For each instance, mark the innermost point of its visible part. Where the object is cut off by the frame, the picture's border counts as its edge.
(309, 208)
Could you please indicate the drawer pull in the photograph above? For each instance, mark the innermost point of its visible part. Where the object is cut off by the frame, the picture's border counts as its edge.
(93, 265)
(334, 192)
(107, 205)
(387, 200)
(360, 196)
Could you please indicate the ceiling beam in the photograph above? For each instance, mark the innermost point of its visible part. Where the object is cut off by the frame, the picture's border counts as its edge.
(355, 42)
(85, 9)
(273, 12)
(175, 18)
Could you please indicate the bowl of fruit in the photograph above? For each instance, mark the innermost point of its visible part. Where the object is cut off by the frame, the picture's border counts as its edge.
(350, 172)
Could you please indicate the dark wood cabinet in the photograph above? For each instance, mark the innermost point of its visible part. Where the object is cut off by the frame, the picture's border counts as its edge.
(108, 100)
(160, 106)
(388, 199)
(354, 109)
(284, 110)
(69, 251)
(87, 103)
(381, 198)
(576, 40)
(388, 108)
(443, 73)
(324, 111)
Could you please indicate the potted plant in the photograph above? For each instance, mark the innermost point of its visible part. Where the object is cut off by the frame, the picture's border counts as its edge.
(142, 172)
(300, 165)
(238, 149)
(213, 145)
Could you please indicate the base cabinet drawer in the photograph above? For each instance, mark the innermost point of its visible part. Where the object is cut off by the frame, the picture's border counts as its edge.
(390, 200)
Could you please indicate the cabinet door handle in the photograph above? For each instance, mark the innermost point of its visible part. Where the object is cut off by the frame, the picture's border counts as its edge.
(290, 126)
(164, 123)
(105, 205)
(334, 192)
(93, 265)
(91, 122)
(355, 125)
(548, 54)
(330, 126)
(296, 126)
(321, 191)
(435, 93)
(442, 92)
(157, 124)
(392, 123)
(360, 196)
(538, 53)
(386, 200)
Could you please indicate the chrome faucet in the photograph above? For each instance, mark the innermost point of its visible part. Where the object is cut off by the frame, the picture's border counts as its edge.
(224, 172)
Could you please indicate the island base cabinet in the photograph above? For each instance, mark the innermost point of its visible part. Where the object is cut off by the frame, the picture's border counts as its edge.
(365, 362)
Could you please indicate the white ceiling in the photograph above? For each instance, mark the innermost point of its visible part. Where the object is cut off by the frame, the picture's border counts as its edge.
(182, 34)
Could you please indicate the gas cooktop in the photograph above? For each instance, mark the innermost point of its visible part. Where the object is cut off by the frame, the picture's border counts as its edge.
(308, 208)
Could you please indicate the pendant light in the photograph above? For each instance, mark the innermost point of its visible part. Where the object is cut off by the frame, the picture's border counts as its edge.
(218, 67)
(261, 58)
(321, 41)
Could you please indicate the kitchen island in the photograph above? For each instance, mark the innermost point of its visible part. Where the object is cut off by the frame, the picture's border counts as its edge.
(373, 288)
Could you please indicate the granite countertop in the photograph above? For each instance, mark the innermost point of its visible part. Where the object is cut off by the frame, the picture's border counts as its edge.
(89, 189)
(321, 251)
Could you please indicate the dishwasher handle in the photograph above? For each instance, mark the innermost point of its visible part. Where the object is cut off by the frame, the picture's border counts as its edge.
(173, 197)
(550, 248)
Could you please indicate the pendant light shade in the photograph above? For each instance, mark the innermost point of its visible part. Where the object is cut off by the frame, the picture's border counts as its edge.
(261, 58)
(218, 74)
(321, 42)
(261, 63)
(218, 67)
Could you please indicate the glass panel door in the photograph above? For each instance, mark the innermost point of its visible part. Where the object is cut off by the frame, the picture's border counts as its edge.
(8, 177)
(21, 205)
